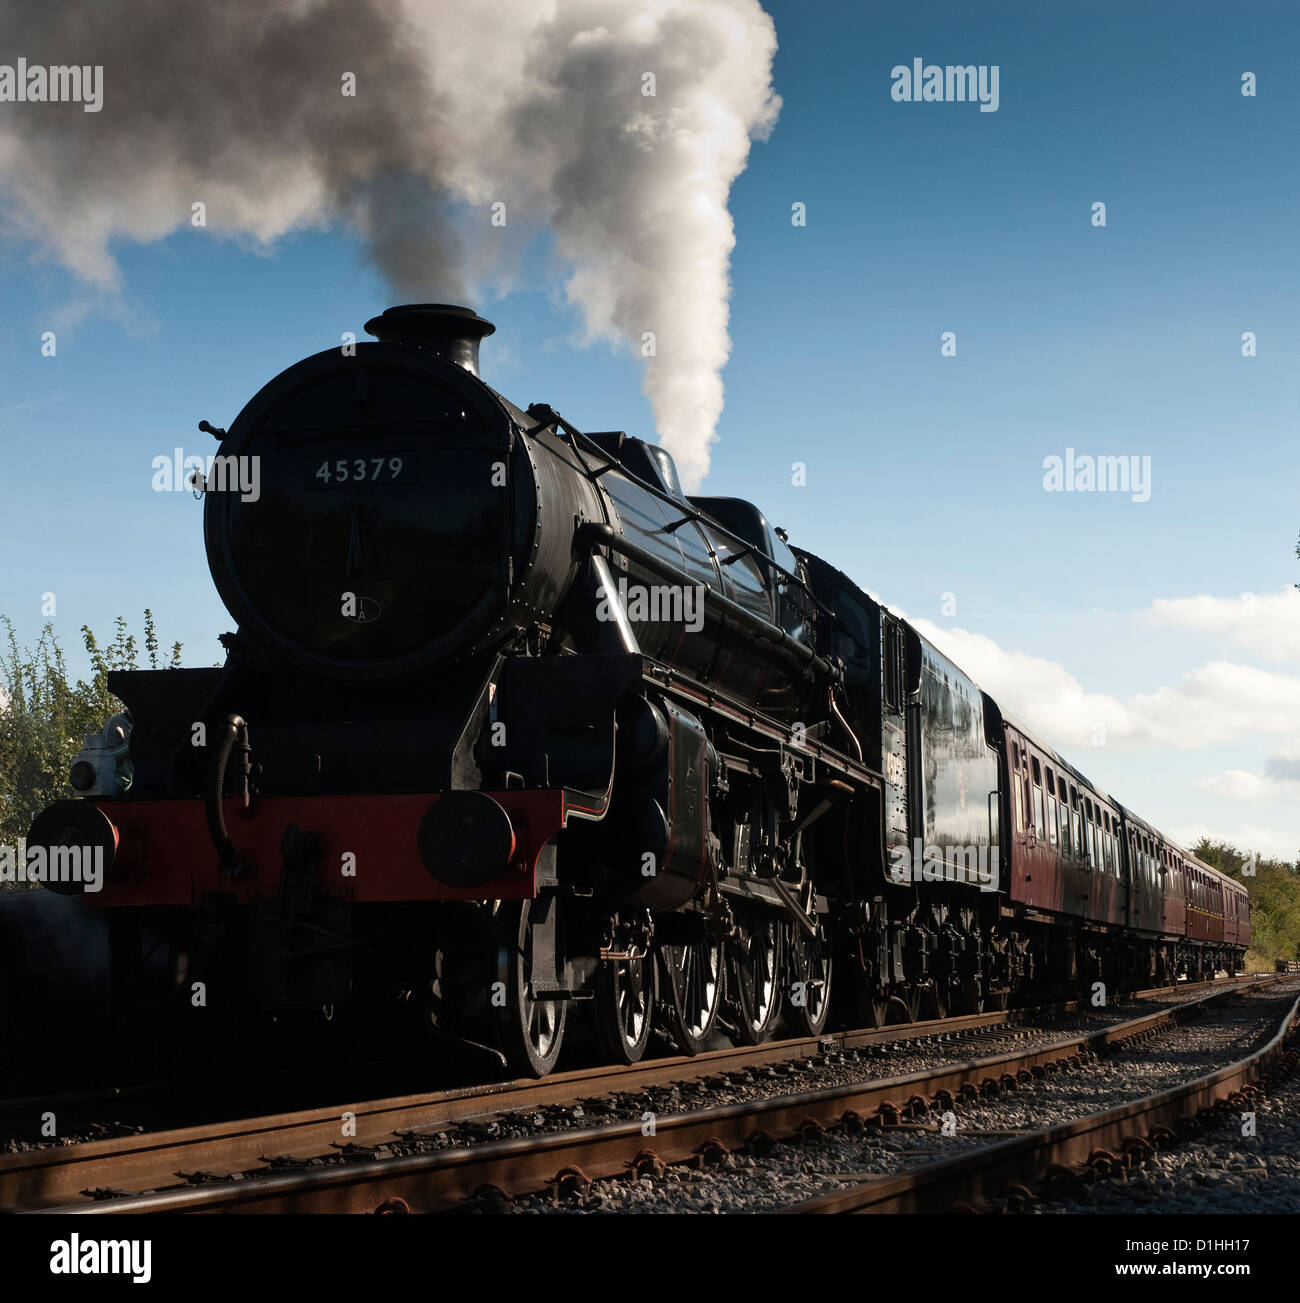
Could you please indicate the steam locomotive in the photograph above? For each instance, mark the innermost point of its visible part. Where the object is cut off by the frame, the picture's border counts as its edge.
(514, 732)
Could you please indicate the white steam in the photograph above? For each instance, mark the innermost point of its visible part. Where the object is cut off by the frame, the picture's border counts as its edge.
(541, 107)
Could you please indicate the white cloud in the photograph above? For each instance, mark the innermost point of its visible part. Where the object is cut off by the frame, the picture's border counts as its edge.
(1278, 781)
(1218, 702)
(1267, 624)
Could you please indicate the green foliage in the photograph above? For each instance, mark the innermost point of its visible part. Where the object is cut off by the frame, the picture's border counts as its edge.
(44, 716)
(1274, 900)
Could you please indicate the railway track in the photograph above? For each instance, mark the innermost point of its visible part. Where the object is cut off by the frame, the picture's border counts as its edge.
(126, 1107)
(1066, 1157)
(394, 1152)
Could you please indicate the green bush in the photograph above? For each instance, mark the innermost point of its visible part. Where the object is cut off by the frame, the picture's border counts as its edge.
(44, 716)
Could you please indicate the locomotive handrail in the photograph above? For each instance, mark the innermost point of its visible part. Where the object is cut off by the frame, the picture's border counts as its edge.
(549, 417)
(606, 536)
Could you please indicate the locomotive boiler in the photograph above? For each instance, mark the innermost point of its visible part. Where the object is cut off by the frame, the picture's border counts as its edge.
(513, 731)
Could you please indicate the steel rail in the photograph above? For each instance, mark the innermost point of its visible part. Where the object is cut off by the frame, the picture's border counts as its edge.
(141, 1160)
(443, 1178)
(1104, 1142)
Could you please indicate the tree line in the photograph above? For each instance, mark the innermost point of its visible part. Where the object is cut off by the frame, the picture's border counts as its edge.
(1274, 887)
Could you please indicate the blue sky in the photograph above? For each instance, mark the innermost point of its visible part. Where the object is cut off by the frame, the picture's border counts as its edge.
(924, 474)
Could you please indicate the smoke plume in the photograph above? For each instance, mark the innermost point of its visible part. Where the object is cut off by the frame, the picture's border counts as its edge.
(616, 125)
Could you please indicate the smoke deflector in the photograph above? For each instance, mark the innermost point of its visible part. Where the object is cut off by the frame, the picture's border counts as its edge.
(452, 332)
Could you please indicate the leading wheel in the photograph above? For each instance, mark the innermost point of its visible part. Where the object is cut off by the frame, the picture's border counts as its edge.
(808, 992)
(626, 990)
(756, 978)
(695, 979)
(532, 1029)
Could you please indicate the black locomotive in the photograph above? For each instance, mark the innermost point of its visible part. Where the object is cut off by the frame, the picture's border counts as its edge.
(513, 729)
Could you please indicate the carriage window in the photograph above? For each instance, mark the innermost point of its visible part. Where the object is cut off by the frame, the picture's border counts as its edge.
(1065, 827)
(1051, 815)
(1018, 789)
(1038, 810)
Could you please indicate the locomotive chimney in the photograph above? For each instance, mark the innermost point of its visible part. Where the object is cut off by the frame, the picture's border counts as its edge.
(452, 333)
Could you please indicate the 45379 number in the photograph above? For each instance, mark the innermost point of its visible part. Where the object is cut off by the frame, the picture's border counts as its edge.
(363, 470)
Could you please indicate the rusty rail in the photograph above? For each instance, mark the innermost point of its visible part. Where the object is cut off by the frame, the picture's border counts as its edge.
(1105, 1141)
(442, 1179)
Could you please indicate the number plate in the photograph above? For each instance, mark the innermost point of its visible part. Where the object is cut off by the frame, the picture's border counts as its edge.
(341, 472)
